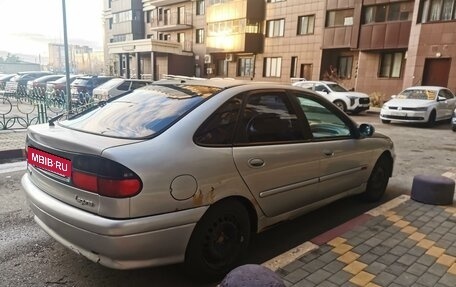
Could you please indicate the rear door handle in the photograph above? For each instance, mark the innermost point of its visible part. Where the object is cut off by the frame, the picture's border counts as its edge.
(256, 162)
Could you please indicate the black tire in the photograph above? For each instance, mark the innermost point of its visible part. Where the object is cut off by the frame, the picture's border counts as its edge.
(386, 121)
(453, 128)
(431, 120)
(219, 241)
(378, 180)
(341, 105)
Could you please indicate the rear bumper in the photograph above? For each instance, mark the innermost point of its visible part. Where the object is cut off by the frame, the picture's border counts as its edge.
(120, 244)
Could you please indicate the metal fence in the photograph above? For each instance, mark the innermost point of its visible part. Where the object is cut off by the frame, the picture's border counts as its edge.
(20, 108)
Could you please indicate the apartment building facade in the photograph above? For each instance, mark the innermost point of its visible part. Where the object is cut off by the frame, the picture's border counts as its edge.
(373, 46)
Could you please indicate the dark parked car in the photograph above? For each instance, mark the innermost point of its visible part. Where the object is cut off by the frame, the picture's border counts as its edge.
(18, 83)
(82, 88)
(37, 87)
(187, 170)
(56, 90)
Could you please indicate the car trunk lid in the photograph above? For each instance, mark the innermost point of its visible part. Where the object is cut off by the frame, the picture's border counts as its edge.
(52, 152)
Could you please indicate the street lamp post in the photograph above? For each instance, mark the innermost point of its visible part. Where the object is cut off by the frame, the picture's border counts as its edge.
(67, 62)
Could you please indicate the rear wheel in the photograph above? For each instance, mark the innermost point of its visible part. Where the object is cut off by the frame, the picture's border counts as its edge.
(431, 120)
(378, 180)
(218, 241)
(341, 105)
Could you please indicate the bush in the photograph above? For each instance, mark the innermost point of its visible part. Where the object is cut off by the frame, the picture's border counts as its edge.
(377, 99)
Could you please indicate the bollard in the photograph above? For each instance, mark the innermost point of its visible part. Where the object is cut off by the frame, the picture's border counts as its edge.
(252, 275)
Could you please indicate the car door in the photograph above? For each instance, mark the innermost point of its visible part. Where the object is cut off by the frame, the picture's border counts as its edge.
(446, 107)
(345, 158)
(274, 155)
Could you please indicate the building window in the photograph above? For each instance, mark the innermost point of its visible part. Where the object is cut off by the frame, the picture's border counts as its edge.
(438, 10)
(275, 1)
(293, 67)
(199, 36)
(110, 23)
(306, 25)
(245, 67)
(339, 18)
(272, 67)
(387, 13)
(180, 37)
(200, 7)
(391, 64)
(181, 15)
(275, 28)
(123, 16)
(147, 16)
(345, 67)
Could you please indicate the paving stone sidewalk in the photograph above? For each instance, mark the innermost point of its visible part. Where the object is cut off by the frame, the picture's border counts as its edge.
(12, 143)
(413, 244)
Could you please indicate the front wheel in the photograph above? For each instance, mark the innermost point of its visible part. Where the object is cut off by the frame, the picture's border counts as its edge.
(386, 121)
(341, 105)
(378, 180)
(219, 240)
(431, 120)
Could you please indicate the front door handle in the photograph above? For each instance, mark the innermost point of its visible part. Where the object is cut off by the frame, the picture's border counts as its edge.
(256, 162)
(328, 152)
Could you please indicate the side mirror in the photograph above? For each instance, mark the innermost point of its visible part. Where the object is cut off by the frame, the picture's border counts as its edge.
(366, 130)
(441, 99)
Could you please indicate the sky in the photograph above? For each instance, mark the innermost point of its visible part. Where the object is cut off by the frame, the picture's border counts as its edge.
(27, 26)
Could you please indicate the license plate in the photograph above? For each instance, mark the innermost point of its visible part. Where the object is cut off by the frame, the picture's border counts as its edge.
(397, 113)
(49, 162)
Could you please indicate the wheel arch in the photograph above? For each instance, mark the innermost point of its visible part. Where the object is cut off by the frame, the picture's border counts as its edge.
(253, 216)
(388, 157)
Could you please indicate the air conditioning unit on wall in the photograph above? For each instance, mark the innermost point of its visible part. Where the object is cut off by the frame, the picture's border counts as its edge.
(207, 59)
(229, 57)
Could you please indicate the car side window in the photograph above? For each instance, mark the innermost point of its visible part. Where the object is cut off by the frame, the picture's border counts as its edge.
(322, 121)
(446, 94)
(321, 88)
(125, 86)
(218, 129)
(135, 85)
(269, 118)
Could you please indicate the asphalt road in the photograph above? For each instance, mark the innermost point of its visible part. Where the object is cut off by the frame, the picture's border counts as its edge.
(29, 257)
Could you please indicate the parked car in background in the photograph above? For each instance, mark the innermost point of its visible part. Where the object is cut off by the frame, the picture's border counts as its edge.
(37, 87)
(186, 170)
(117, 86)
(18, 83)
(82, 88)
(347, 101)
(453, 121)
(419, 104)
(56, 90)
(4, 79)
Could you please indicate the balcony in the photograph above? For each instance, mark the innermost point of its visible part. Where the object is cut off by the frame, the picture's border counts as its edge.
(149, 45)
(337, 37)
(161, 3)
(387, 35)
(171, 22)
(236, 43)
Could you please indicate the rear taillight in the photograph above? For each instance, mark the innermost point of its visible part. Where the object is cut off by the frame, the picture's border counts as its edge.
(105, 177)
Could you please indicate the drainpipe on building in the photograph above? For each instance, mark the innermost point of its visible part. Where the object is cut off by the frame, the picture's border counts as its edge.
(254, 61)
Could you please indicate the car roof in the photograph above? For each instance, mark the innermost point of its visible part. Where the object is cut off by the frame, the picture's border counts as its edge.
(426, 88)
(214, 82)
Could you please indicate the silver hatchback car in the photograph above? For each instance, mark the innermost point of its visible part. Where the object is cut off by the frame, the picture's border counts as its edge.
(186, 171)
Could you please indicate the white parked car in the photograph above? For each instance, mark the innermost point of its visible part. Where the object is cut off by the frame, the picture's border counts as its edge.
(420, 104)
(345, 100)
(116, 87)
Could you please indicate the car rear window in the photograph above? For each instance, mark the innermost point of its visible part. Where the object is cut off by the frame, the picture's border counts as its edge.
(142, 113)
